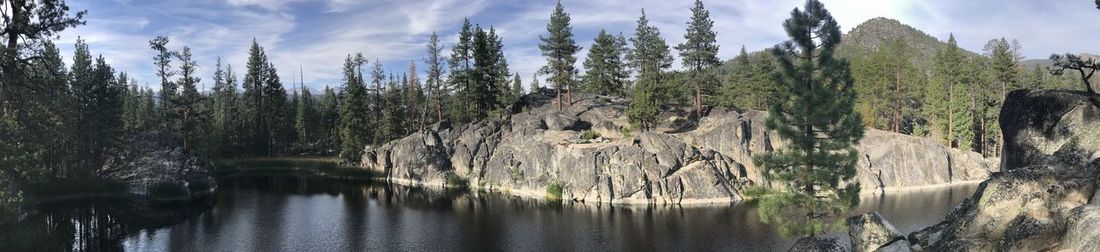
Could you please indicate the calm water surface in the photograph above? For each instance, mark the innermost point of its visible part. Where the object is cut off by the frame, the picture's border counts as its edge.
(298, 213)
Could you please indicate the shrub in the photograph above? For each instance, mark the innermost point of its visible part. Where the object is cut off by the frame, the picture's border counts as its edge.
(628, 131)
(455, 181)
(589, 134)
(554, 190)
(517, 174)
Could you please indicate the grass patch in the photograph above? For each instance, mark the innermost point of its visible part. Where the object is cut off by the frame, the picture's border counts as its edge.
(589, 134)
(554, 190)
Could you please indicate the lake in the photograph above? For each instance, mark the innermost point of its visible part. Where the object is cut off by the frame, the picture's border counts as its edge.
(292, 212)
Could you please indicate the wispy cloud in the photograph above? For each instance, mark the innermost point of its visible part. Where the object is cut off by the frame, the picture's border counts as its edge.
(316, 34)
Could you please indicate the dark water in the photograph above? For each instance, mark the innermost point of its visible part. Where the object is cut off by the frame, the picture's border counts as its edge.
(295, 213)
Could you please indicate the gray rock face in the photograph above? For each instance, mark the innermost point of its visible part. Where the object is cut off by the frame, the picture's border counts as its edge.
(705, 161)
(818, 244)
(870, 231)
(154, 157)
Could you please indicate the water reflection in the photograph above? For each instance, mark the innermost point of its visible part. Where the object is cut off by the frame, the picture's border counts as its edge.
(295, 213)
(92, 224)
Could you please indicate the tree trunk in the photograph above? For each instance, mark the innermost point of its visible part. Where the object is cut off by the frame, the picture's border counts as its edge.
(951, 115)
(897, 99)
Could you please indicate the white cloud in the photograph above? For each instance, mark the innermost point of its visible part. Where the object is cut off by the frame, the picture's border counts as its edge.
(318, 34)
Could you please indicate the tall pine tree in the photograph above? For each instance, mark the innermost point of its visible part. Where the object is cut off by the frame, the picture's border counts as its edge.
(699, 53)
(650, 58)
(605, 70)
(814, 114)
(560, 51)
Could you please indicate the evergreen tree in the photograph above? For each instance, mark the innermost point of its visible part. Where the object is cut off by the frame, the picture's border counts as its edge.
(605, 71)
(517, 88)
(329, 110)
(278, 122)
(559, 49)
(941, 102)
(535, 87)
(253, 113)
(460, 81)
(188, 101)
(1086, 68)
(434, 78)
(355, 112)
(305, 124)
(225, 111)
(650, 59)
(168, 90)
(814, 114)
(26, 117)
(699, 53)
(47, 114)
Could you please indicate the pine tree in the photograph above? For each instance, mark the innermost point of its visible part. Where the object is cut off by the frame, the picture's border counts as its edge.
(650, 58)
(461, 78)
(168, 89)
(305, 122)
(605, 71)
(355, 112)
(699, 53)
(559, 49)
(940, 101)
(517, 88)
(434, 79)
(224, 102)
(278, 122)
(814, 113)
(535, 87)
(329, 110)
(188, 100)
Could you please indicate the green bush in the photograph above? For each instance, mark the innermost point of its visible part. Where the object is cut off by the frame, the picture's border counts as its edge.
(167, 191)
(627, 131)
(554, 190)
(455, 181)
(589, 135)
(517, 174)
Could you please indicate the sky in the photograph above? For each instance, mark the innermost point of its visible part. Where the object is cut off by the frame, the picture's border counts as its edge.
(312, 37)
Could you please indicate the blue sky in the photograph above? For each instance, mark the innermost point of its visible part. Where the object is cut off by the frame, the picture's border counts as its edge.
(317, 34)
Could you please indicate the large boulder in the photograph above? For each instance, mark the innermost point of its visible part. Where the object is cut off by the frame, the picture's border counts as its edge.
(1083, 229)
(154, 158)
(1039, 123)
(870, 231)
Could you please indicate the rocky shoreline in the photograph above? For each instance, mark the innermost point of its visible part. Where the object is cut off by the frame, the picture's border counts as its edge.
(588, 151)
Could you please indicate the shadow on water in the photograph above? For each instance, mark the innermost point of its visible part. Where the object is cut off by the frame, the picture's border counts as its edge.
(291, 212)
